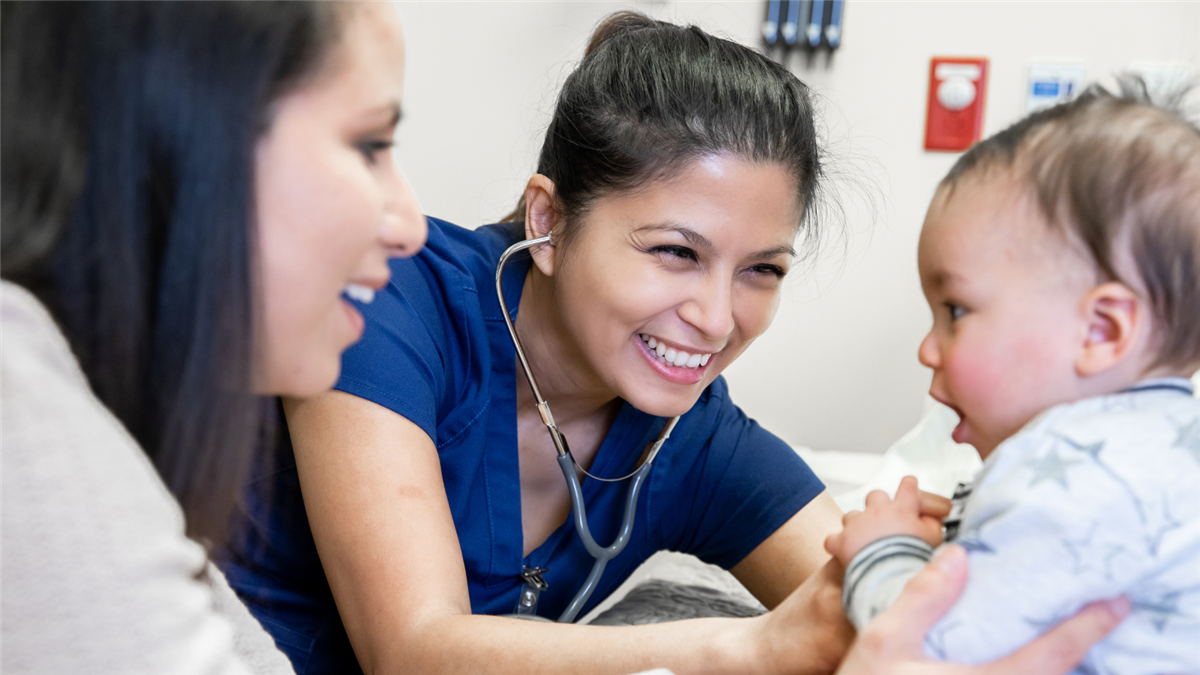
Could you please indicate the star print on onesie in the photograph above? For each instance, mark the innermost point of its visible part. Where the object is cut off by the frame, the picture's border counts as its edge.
(1091, 500)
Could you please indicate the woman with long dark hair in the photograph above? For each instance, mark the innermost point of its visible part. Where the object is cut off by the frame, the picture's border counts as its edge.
(196, 199)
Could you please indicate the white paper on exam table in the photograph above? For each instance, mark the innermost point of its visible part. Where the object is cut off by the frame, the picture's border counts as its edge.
(926, 452)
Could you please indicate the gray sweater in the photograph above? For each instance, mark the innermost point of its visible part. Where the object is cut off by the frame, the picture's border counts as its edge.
(98, 576)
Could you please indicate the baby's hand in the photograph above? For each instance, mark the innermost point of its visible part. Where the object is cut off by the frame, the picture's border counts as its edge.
(885, 517)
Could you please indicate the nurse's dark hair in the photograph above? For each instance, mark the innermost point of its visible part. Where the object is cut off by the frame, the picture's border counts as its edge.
(127, 170)
(1116, 172)
(650, 97)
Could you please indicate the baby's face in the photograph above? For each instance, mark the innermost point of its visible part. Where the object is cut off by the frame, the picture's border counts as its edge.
(1008, 321)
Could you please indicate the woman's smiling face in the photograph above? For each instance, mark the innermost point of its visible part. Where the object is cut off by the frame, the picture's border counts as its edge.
(660, 289)
(332, 205)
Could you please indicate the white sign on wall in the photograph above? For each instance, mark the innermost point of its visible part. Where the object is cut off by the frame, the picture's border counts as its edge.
(1052, 83)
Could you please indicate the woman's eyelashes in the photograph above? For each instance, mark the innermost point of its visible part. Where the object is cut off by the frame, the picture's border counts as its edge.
(372, 149)
(769, 270)
(675, 252)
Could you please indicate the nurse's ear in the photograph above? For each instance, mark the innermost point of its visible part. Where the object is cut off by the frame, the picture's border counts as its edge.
(541, 218)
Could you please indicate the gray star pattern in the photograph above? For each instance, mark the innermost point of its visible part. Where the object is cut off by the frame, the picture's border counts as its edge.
(1189, 439)
(936, 638)
(1111, 553)
(1083, 555)
(1093, 451)
(1168, 524)
(1078, 550)
(974, 544)
(1051, 467)
(1114, 402)
(1160, 611)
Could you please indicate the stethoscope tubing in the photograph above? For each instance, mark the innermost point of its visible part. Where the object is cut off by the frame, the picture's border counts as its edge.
(602, 554)
(566, 462)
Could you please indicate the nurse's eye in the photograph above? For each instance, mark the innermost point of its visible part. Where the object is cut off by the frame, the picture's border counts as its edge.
(671, 251)
(768, 270)
(956, 311)
(372, 149)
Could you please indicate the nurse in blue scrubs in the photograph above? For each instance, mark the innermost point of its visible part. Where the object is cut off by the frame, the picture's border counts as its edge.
(676, 176)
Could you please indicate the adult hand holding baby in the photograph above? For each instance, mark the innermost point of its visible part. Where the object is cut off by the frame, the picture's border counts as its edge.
(892, 643)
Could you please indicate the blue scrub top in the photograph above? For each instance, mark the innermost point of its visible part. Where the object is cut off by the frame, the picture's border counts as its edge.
(436, 351)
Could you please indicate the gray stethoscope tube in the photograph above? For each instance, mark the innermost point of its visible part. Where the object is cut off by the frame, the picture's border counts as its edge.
(567, 463)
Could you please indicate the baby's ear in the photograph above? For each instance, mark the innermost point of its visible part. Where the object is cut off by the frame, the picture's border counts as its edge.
(541, 218)
(1115, 315)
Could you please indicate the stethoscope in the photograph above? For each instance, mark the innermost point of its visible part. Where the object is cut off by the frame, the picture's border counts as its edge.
(527, 603)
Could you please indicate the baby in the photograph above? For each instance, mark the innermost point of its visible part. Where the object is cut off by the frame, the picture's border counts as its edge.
(1061, 259)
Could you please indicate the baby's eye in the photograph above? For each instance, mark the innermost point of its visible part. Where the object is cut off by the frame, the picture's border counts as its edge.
(673, 251)
(956, 311)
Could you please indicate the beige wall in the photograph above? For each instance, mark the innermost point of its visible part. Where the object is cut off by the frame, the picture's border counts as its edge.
(838, 368)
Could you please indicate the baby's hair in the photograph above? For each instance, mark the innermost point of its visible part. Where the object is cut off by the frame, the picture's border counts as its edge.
(1116, 171)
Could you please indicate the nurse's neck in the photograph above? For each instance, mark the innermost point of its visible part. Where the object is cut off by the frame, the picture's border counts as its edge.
(564, 374)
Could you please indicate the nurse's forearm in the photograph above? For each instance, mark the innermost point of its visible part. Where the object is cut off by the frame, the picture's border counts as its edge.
(488, 644)
(807, 633)
(382, 525)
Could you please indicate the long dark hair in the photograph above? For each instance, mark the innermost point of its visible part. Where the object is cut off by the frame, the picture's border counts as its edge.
(650, 96)
(128, 170)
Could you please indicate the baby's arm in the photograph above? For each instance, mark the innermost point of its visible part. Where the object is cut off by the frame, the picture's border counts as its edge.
(883, 547)
(886, 517)
(1060, 520)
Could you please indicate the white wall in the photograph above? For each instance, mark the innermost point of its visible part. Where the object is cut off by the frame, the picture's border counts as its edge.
(838, 368)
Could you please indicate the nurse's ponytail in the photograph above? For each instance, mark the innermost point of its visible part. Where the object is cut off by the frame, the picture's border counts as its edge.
(614, 24)
(650, 97)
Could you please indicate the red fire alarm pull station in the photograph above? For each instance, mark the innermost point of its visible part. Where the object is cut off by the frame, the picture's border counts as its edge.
(957, 93)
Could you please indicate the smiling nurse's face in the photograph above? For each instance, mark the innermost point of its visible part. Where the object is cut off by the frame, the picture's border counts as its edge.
(662, 288)
(331, 203)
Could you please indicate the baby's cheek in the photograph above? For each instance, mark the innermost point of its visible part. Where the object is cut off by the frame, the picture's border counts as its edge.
(976, 378)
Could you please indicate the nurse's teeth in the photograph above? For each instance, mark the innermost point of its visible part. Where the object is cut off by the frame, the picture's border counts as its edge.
(363, 294)
(672, 356)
